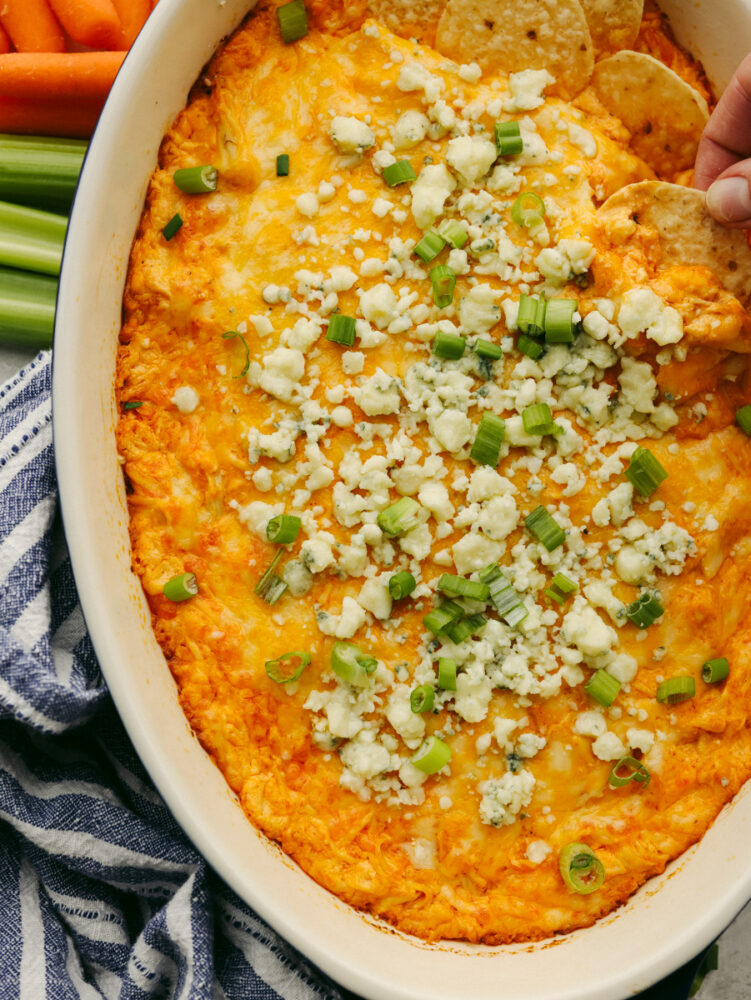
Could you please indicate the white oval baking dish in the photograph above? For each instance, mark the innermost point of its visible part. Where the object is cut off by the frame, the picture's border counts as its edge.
(664, 925)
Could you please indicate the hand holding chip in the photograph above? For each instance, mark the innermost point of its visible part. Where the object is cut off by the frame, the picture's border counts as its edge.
(723, 161)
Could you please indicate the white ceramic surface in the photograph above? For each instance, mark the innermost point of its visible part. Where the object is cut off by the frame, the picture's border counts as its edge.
(664, 925)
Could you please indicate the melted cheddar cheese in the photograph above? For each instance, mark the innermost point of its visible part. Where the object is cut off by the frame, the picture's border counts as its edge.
(336, 434)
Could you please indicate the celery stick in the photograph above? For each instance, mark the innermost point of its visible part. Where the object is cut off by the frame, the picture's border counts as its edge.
(31, 239)
(27, 308)
(40, 171)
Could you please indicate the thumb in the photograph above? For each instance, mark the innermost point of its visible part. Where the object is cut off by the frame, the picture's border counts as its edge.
(729, 198)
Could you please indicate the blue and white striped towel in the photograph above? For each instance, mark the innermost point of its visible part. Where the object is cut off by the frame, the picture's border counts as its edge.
(101, 895)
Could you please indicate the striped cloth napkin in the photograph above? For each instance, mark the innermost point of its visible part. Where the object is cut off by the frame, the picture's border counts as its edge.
(101, 894)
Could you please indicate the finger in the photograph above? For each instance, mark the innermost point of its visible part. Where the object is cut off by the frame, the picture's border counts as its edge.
(729, 197)
(727, 136)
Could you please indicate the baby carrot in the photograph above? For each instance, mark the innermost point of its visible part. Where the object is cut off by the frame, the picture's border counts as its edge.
(4, 41)
(39, 75)
(133, 14)
(32, 26)
(93, 23)
(75, 119)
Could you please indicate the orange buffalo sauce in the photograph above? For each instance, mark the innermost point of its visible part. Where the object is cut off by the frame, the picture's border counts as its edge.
(232, 431)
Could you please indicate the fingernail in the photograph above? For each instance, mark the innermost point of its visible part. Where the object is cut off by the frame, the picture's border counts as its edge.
(729, 200)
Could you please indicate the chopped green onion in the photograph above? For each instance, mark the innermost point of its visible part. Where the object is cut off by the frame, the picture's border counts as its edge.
(603, 687)
(531, 316)
(487, 349)
(715, 671)
(453, 232)
(398, 173)
(449, 346)
(40, 171)
(174, 224)
(545, 528)
(560, 589)
(528, 210)
(27, 307)
(676, 689)
(229, 335)
(559, 321)
(432, 755)
(447, 674)
(271, 587)
(464, 628)
(351, 664)
(504, 598)
(422, 699)
(446, 613)
(459, 586)
(293, 21)
(486, 448)
(399, 517)
(644, 472)
(635, 771)
(401, 585)
(443, 279)
(282, 165)
(283, 529)
(743, 418)
(196, 180)
(532, 348)
(430, 246)
(508, 138)
(31, 239)
(282, 672)
(538, 419)
(645, 610)
(133, 404)
(581, 869)
(181, 587)
(341, 329)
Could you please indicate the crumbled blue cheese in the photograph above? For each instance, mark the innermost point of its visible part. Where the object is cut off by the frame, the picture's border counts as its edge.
(429, 193)
(584, 141)
(282, 370)
(350, 135)
(474, 551)
(641, 310)
(257, 514)
(414, 76)
(608, 747)
(538, 851)
(504, 798)
(479, 310)
(186, 399)
(316, 553)
(471, 157)
(408, 724)
(640, 739)
(307, 204)
(638, 384)
(410, 129)
(345, 624)
(379, 305)
(583, 627)
(374, 596)
(378, 394)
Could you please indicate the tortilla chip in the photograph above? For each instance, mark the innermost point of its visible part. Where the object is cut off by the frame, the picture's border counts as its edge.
(613, 24)
(664, 115)
(409, 18)
(687, 233)
(514, 35)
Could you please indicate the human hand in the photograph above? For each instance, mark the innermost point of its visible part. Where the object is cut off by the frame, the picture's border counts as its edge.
(723, 160)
